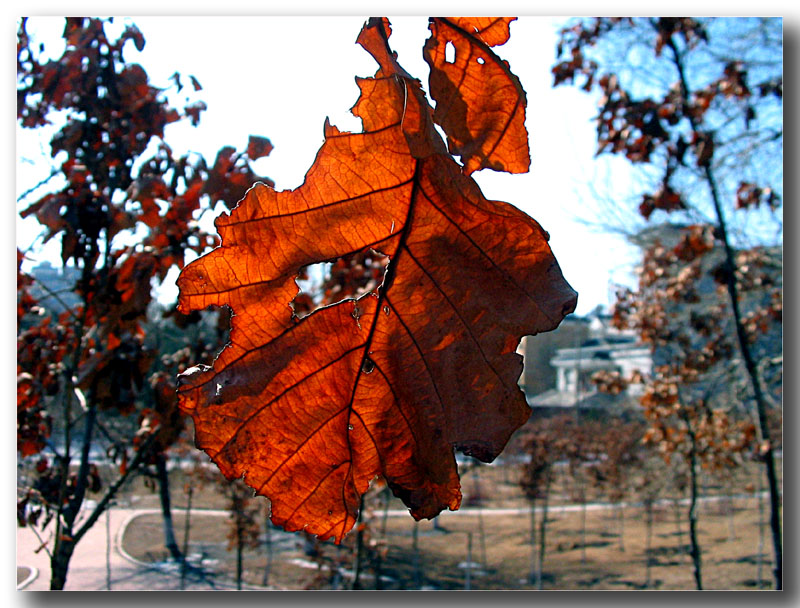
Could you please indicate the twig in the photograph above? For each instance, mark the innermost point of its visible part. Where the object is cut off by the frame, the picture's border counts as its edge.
(42, 543)
(56, 297)
(55, 171)
(114, 488)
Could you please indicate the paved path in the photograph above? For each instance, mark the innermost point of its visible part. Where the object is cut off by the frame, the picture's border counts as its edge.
(94, 567)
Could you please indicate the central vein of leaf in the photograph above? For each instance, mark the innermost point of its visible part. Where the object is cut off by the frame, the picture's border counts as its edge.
(391, 272)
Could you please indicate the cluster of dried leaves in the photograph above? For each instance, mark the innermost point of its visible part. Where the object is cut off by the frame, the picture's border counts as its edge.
(126, 214)
(637, 127)
(682, 305)
(682, 312)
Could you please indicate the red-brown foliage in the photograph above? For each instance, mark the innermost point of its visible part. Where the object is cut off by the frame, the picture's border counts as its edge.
(311, 410)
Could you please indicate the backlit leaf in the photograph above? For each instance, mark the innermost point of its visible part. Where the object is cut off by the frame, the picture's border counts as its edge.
(480, 104)
(258, 147)
(309, 411)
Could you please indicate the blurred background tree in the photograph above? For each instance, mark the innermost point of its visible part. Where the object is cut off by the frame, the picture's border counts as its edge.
(695, 105)
(94, 387)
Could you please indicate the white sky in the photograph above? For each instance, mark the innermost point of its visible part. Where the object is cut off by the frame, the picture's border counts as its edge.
(279, 77)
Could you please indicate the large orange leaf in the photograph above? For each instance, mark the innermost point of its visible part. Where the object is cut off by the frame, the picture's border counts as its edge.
(311, 410)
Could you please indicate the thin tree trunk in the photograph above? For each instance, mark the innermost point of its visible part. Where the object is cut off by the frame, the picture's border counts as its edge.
(760, 556)
(186, 529)
(59, 560)
(583, 522)
(695, 545)
(239, 552)
(468, 573)
(239, 515)
(534, 549)
(744, 347)
(162, 477)
(542, 525)
(694, 550)
(108, 550)
(66, 537)
(481, 531)
(761, 405)
(648, 519)
(82, 478)
(417, 560)
(731, 510)
(268, 544)
(358, 559)
(358, 555)
(59, 564)
(482, 537)
(237, 510)
(378, 562)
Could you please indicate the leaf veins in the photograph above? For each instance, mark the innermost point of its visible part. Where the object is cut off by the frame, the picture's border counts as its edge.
(310, 411)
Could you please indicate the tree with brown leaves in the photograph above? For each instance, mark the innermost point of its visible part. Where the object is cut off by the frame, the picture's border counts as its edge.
(124, 215)
(700, 112)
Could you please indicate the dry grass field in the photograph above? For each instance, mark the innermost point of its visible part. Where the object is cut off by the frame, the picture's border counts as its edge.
(490, 547)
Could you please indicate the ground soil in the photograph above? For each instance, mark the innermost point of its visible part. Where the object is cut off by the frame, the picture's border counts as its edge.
(22, 574)
(486, 549)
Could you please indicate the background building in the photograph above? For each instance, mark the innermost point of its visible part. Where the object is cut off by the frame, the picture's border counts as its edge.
(558, 371)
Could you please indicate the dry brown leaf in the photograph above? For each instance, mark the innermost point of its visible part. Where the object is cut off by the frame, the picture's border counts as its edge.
(311, 410)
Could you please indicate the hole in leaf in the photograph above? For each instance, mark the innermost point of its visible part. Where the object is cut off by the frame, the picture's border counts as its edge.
(450, 53)
(368, 366)
(327, 283)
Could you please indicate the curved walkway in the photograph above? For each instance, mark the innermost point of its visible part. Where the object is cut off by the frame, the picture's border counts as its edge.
(97, 566)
